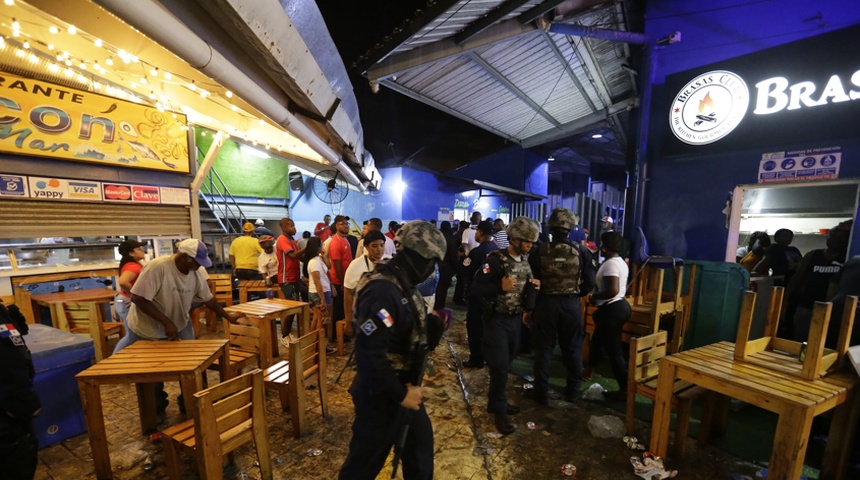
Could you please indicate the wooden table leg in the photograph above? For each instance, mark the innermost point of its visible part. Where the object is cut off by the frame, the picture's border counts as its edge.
(268, 344)
(146, 407)
(662, 409)
(91, 398)
(243, 294)
(58, 318)
(841, 437)
(189, 384)
(224, 364)
(789, 442)
(305, 326)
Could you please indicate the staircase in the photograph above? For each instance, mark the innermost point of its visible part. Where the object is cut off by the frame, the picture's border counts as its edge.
(220, 217)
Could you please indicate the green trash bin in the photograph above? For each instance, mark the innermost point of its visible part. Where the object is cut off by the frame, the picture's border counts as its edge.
(717, 302)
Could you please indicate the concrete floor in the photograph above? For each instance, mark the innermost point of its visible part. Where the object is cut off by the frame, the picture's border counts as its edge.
(466, 443)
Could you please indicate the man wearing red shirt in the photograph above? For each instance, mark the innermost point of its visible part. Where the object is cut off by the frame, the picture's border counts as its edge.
(322, 229)
(392, 229)
(288, 253)
(340, 254)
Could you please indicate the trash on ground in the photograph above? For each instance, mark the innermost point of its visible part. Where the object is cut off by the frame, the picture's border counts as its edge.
(314, 452)
(529, 378)
(568, 469)
(531, 425)
(606, 426)
(528, 386)
(594, 392)
(650, 467)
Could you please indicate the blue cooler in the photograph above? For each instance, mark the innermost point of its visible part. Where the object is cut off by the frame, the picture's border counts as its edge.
(58, 356)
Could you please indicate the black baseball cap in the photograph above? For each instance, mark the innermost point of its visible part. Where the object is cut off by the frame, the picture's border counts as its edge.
(128, 246)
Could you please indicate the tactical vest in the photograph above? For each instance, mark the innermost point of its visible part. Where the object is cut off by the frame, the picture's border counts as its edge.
(511, 302)
(400, 361)
(560, 265)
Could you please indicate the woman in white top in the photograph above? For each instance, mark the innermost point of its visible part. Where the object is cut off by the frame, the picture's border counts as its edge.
(319, 286)
(612, 312)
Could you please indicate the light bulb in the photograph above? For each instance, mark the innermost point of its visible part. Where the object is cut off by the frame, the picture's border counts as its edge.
(72, 30)
(133, 85)
(26, 45)
(15, 25)
(229, 94)
(109, 61)
(96, 65)
(167, 76)
(154, 72)
(50, 46)
(191, 86)
(143, 81)
(233, 107)
(98, 42)
(9, 2)
(59, 58)
(68, 63)
(54, 30)
(83, 66)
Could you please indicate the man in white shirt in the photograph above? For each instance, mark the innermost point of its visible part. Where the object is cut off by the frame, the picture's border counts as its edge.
(267, 262)
(376, 224)
(161, 299)
(373, 253)
(469, 241)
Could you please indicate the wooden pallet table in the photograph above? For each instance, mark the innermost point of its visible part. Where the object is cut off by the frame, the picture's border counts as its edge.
(264, 313)
(143, 363)
(249, 286)
(55, 301)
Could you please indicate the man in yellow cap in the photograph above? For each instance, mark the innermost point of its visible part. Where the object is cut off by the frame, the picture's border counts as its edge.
(243, 254)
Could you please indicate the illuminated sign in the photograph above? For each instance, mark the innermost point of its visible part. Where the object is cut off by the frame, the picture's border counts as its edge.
(709, 107)
(47, 120)
(772, 96)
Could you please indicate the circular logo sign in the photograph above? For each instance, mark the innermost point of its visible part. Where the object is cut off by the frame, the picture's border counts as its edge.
(709, 107)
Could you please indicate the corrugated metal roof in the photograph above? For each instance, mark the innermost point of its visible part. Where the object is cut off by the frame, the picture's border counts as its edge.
(514, 79)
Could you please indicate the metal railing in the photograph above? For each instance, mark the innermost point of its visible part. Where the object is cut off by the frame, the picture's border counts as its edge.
(217, 197)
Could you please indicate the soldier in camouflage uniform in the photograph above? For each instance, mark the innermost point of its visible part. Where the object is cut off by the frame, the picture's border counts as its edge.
(390, 320)
(505, 282)
(558, 312)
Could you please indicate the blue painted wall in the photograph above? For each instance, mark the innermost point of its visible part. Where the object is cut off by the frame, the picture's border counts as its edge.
(514, 168)
(684, 195)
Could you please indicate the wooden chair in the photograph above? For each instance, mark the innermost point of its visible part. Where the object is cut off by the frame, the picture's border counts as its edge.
(223, 287)
(643, 370)
(87, 318)
(204, 312)
(683, 310)
(818, 362)
(228, 415)
(288, 378)
(244, 345)
(650, 303)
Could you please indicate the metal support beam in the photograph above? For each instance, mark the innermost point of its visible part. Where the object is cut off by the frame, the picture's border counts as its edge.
(533, 13)
(488, 20)
(444, 108)
(570, 73)
(499, 77)
(426, 54)
(206, 165)
(588, 59)
(602, 33)
(578, 126)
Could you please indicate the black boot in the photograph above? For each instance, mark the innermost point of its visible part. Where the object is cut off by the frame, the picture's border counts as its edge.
(504, 424)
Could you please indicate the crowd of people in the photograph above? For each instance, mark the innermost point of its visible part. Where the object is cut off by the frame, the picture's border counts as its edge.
(521, 285)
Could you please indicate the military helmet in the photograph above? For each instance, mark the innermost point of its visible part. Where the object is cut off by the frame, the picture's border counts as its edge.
(523, 228)
(422, 238)
(562, 218)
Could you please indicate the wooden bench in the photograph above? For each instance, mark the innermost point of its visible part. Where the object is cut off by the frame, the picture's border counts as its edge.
(307, 359)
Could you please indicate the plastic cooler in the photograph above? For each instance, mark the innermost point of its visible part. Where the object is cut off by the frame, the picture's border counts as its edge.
(58, 356)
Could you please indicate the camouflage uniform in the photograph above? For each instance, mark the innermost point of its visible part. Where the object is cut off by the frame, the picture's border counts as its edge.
(503, 311)
(390, 318)
(558, 313)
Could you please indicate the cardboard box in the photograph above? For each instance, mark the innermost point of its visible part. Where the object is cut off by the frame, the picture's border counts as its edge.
(57, 357)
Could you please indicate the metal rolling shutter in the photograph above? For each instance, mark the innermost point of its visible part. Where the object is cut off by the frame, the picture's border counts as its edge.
(30, 218)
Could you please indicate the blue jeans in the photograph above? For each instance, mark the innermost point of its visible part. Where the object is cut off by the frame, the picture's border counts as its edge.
(121, 304)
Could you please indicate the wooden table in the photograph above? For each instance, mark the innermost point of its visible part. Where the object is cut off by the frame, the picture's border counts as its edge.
(142, 363)
(776, 386)
(55, 301)
(267, 311)
(248, 286)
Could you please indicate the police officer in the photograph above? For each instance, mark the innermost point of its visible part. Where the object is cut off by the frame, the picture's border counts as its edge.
(505, 282)
(474, 322)
(18, 399)
(390, 321)
(558, 313)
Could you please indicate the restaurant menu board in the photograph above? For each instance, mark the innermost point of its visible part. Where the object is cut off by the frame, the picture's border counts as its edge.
(48, 120)
(800, 165)
(48, 188)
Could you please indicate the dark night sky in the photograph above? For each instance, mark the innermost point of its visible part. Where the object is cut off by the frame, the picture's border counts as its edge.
(395, 126)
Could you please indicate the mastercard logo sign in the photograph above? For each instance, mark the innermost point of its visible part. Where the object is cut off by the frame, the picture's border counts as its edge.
(117, 192)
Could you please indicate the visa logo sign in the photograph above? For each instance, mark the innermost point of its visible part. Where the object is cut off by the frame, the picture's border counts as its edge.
(85, 190)
(90, 190)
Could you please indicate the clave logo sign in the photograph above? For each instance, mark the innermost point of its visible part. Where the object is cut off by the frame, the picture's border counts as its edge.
(709, 107)
(144, 194)
(117, 192)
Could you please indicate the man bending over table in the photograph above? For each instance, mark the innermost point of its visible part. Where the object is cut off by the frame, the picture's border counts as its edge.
(161, 299)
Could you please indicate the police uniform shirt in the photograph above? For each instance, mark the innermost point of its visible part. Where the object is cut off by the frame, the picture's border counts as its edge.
(384, 321)
(476, 257)
(18, 399)
(488, 279)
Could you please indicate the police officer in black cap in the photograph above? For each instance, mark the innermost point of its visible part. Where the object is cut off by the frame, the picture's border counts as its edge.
(506, 283)
(18, 399)
(391, 324)
(566, 273)
(474, 320)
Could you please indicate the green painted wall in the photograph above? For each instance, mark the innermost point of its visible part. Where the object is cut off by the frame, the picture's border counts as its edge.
(246, 175)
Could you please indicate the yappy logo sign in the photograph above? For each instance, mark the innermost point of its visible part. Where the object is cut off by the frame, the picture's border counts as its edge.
(709, 107)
